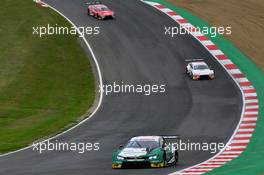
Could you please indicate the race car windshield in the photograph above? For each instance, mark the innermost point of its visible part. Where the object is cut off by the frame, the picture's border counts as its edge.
(200, 67)
(142, 144)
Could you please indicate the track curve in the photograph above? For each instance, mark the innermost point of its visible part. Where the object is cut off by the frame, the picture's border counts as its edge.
(134, 49)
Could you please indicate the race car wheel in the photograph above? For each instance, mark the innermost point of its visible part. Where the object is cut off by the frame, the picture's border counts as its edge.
(88, 12)
(191, 75)
(176, 157)
(164, 159)
(186, 71)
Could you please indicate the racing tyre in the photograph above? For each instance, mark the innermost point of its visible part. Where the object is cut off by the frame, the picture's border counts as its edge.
(186, 71)
(191, 76)
(176, 157)
(164, 159)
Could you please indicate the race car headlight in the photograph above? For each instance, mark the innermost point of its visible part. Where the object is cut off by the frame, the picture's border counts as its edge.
(120, 158)
(153, 157)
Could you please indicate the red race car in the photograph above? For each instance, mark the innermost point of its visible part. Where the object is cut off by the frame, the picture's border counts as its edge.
(99, 11)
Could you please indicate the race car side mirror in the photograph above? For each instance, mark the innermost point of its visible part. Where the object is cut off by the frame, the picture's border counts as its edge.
(121, 146)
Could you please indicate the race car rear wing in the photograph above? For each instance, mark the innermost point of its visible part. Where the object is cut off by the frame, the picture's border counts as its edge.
(93, 2)
(193, 60)
(171, 137)
(168, 139)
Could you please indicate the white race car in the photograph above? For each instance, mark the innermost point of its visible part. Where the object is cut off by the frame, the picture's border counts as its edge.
(198, 70)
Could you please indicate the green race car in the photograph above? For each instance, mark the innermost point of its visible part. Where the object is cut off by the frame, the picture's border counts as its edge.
(145, 151)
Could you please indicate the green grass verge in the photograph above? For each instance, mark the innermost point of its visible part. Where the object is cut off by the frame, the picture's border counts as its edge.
(45, 83)
(251, 161)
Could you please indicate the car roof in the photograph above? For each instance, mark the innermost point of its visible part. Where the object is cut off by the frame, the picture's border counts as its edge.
(146, 138)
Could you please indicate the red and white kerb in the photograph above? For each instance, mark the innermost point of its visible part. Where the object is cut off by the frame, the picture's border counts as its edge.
(40, 3)
(242, 135)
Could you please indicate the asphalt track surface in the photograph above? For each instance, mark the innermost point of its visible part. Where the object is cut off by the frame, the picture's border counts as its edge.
(133, 48)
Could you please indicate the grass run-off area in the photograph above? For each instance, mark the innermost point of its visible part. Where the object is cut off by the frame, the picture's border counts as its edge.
(46, 83)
